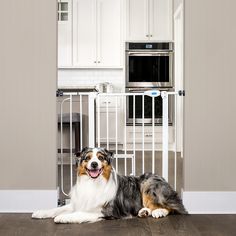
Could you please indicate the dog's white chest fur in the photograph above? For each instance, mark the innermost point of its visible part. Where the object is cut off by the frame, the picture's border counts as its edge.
(90, 195)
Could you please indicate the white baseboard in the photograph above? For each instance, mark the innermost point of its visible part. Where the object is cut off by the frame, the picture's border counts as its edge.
(210, 202)
(27, 200)
(195, 202)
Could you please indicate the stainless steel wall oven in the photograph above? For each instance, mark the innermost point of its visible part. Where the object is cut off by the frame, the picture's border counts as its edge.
(149, 64)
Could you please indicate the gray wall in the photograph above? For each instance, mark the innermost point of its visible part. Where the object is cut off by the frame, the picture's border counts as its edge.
(27, 98)
(210, 107)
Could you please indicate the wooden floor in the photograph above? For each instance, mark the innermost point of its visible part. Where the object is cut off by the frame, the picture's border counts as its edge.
(190, 225)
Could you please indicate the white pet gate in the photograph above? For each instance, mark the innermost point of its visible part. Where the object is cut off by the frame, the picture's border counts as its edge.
(105, 115)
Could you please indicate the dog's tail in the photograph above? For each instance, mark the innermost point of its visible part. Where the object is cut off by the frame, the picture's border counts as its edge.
(178, 208)
(176, 205)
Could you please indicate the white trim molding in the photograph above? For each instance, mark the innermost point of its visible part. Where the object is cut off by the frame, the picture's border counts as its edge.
(26, 201)
(210, 202)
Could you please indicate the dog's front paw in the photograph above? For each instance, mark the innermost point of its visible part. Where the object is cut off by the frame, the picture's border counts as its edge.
(60, 219)
(42, 214)
(161, 212)
(144, 212)
(65, 219)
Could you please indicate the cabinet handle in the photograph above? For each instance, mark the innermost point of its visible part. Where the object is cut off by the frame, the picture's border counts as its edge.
(147, 35)
(98, 61)
(148, 135)
(95, 62)
(151, 35)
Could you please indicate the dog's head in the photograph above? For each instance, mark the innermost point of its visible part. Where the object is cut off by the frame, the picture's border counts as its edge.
(94, 162)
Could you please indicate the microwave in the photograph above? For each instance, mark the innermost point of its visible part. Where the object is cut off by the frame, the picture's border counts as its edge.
(149, 64)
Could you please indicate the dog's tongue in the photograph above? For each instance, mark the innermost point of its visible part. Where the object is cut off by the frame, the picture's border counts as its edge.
(94, 173)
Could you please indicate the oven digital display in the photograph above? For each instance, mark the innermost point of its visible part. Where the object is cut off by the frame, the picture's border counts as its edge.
(149, 46)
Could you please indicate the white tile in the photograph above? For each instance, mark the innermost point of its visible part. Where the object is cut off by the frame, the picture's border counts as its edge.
(91, 77)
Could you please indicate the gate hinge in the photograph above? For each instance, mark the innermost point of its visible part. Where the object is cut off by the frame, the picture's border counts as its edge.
(59, 93)
(181, 92)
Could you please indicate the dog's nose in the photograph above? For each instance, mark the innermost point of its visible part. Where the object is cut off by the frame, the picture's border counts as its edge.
(94, 164)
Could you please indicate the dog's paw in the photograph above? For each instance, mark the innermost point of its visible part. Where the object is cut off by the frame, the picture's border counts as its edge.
(144, 212)
(42, 214)
(60, 219)
(161, 212)
(65, 219)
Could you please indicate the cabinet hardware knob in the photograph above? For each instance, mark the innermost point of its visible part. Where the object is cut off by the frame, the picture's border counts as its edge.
(98, 61)
(95, 62)
(151, 35)
(147, 35)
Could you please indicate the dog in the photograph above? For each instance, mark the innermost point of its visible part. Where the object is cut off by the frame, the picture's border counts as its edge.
(100, 193)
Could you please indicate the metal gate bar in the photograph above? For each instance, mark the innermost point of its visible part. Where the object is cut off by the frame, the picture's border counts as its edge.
(133, 164)
(153, 135)
(165, 135)
(62, 144)
(125, 138)
(81, 121)
(116, 132)
(143, 162)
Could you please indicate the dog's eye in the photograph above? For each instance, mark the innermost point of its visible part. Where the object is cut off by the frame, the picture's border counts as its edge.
(101, 158)
(86, 158)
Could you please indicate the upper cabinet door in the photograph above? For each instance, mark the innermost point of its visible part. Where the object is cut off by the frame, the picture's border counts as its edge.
(64, 33)
(149, 20)
(137, 19)
(108, 33)
(160, 19)
(84, 33)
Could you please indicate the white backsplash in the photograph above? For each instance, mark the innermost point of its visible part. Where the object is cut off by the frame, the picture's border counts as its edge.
(77, 78)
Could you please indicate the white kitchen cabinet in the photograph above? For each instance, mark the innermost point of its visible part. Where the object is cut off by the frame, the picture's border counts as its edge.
(149, 20)
(97, 33)
(84, 33)
(137, 19)
(109, 33)
(64, 33)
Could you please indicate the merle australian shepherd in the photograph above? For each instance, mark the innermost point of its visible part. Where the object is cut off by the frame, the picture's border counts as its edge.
(100, 193)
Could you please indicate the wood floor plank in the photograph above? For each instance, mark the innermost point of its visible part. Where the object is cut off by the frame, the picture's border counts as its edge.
(215, 225)
(177, 225)
(182, 225)
(161, 226)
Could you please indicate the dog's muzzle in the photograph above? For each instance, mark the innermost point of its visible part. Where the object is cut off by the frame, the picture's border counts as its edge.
(94, 173)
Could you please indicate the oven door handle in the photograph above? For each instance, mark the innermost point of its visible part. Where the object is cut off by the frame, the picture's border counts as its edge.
(131, 90)
(149, 54)
(138, 90)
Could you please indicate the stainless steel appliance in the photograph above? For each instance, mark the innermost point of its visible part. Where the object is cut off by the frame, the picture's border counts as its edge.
(147, 108)
(149, 64)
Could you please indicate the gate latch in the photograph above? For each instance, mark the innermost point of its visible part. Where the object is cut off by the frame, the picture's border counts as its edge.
(181, 92)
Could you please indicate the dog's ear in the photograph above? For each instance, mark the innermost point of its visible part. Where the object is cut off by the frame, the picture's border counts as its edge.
(79, 155)
(110, 155)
